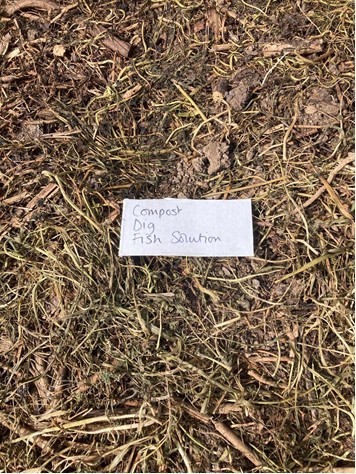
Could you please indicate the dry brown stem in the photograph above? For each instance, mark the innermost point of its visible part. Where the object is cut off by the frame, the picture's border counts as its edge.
(36, 4)
(224, 430)
(346, 161)
(16, 427)
(230, 436)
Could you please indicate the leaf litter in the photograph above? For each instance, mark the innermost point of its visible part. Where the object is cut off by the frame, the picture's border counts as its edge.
(176, 364)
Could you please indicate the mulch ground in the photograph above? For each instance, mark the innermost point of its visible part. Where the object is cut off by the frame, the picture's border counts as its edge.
(152, 364)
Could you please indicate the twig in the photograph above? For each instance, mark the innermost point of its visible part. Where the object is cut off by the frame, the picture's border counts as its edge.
(350, 158)
(14, 199)
(224, 430)
(230, 436)
(303, 47)
(336, 199)
(48, 191)
(265, 381)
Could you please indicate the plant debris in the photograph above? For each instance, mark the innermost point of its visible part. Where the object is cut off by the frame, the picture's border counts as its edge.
(321, 108)
(297, 46)
(110, 41)
(237, 89)
(156, 364)
(217, 156)
(14, 7)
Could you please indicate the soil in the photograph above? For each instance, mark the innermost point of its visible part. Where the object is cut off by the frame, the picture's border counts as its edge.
(217, 156)
(321, 108)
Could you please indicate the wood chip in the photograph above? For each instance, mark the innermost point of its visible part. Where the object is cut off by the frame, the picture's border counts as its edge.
(227, 408)
(4, 43)
(214, 21)
(299, 46)
(13, 199)
(59, 50)
(199, 26)
(131, 92)
(45, 192)
(223, 47)
(110, 41)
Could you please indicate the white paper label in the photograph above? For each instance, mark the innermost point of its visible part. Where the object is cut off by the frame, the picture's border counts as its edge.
(187, 227)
